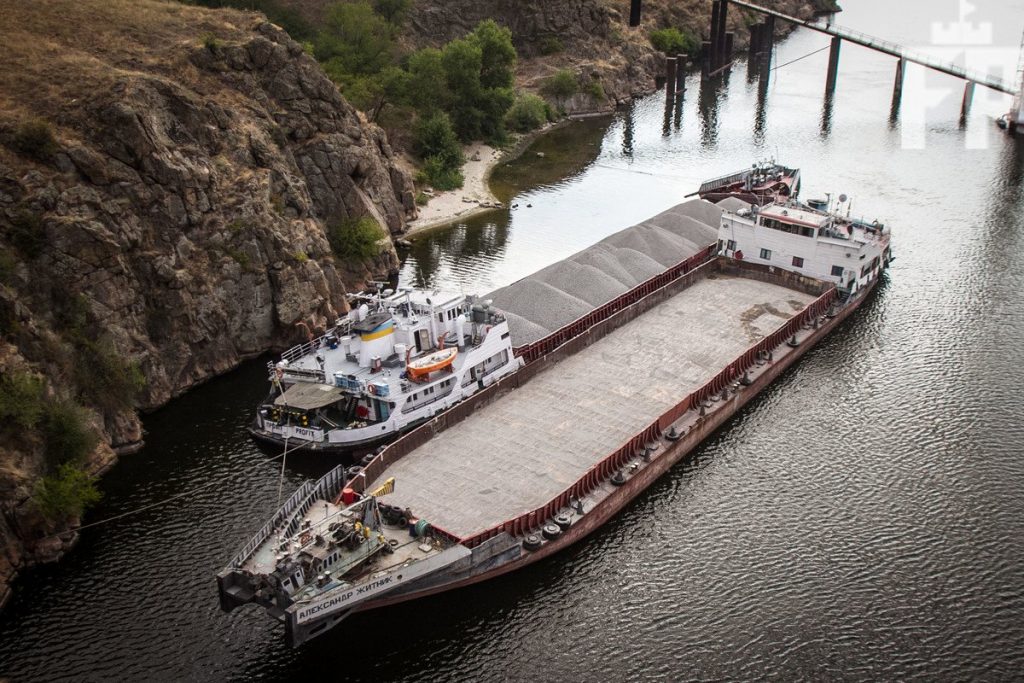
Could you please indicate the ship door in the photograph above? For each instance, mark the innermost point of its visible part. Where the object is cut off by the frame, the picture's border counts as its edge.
(422, 340)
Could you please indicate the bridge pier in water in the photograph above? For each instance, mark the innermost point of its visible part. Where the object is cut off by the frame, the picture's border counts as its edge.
(897, 87)
(833, 66)
(965, 104)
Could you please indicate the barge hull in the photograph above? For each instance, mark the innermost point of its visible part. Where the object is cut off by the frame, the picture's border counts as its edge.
(501, 552)
(672, 455)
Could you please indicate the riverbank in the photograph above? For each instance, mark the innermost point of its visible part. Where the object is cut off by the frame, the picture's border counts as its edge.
(475, 196)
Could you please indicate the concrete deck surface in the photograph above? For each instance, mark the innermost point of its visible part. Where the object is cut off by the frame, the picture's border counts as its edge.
(517, 453)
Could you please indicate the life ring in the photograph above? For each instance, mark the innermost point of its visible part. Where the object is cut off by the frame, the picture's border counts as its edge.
(739, 255)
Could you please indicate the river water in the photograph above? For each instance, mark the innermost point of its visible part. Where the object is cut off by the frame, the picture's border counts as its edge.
(863, 518)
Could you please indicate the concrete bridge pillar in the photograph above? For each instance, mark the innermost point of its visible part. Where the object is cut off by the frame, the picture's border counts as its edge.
(833, 66)
(965, 105)
(670, 79)
(680, 73)
(897, 86)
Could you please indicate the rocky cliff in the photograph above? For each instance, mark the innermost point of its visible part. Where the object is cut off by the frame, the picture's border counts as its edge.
(590, 37)
(167, 175)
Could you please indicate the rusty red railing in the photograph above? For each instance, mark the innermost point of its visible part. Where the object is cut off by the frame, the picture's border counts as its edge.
(602, 470)
(579, 333)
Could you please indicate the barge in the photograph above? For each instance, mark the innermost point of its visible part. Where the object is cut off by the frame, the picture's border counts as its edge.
(763, 183)
(603, 406)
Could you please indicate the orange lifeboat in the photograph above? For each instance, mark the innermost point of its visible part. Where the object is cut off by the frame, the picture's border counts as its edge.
(432, 362)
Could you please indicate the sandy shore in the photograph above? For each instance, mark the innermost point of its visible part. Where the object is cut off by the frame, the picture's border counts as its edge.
(473, 197)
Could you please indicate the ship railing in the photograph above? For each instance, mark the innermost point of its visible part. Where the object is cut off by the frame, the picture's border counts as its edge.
(704, 395)
(542, 347)
(720, 182)
(283, 512)
(342, 326)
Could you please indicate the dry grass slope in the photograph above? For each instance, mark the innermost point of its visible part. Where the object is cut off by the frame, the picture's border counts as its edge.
(59, 52)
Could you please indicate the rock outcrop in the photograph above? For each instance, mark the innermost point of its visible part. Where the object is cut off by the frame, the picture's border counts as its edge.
(612, 61)
(167, 178)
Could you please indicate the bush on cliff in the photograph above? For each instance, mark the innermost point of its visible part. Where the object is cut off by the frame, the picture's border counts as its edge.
(34, 138)
(529, 112)
(21, 401)
(66, 493)
(355, 238)
(672, 41)
(67, 434)
(435, 142)
(105, 376)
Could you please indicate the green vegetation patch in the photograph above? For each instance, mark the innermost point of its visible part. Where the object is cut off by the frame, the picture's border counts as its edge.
(66, 493)
(529, 112)
(34, 138)
(355, 238)
(672, 41)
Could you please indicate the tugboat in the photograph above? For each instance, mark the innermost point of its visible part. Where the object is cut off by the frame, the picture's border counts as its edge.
(383, 369)
(763, 183)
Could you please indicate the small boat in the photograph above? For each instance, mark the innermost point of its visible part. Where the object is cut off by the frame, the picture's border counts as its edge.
(439, 360)
(765, 182)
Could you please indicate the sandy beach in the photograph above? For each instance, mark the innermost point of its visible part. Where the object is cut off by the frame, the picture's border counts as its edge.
(473, 197)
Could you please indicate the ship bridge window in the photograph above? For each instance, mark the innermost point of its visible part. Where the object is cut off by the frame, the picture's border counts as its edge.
(837, 271)
(766, 254)
(798, 262)
(731, 245)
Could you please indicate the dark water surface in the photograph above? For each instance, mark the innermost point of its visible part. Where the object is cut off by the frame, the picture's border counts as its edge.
(862, 519)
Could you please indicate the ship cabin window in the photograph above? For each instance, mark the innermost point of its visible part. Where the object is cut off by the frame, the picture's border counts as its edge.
(787, 227)
(864, 270)
(731, 245)
(798, 262)
(287, 583)
(766, 254)
(440, 317)
(837, 271)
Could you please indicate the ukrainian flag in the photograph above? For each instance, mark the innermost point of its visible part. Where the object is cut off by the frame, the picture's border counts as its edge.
(384, 329)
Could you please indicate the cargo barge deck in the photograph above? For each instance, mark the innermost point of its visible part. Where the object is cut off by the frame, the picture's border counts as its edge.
(541, 458)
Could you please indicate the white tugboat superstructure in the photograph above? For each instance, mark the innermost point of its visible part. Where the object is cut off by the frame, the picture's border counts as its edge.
(397, 359)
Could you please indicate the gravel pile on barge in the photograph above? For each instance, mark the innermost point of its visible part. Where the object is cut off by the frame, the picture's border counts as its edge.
(565, 291)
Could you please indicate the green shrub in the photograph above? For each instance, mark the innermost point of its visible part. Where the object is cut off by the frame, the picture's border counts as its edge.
(21, 401)
(301, 256)
(527, 113)
(393, 11)
(562, 84)
(104, 376)
(34, 138)
(672, 41)
(354, 40)
(211, 43)
(7, 265)
(434, 136)
(551, 45)
(422, 199)
(66, 493)
(595, 90)
(355, 238)
(67, 433)
(439, 175)
(27, 233)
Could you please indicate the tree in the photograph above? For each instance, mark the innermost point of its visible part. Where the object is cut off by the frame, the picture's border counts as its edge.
(354, 40)
(497, 69)
(427, 89)
(463, 60)
(393, 11)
